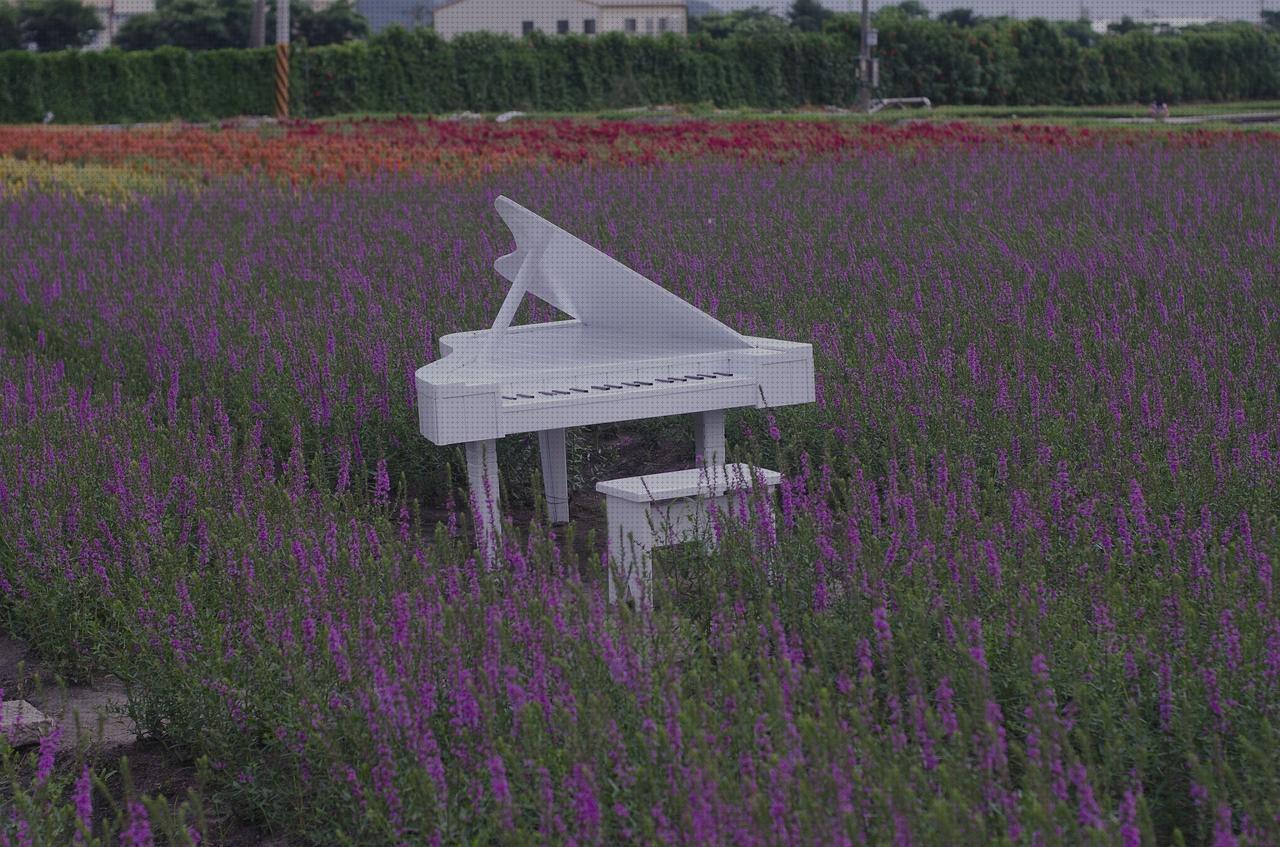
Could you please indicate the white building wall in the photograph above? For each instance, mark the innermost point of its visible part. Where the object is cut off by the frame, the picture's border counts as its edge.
(648, 18)
(508, 16)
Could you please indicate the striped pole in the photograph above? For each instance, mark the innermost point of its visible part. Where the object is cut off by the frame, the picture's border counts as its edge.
(282, 81)
(282, 59)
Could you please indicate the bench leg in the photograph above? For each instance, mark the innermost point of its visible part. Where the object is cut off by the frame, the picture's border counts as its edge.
(708, 437)
(555, 474)
(482, 470)
(630, 550)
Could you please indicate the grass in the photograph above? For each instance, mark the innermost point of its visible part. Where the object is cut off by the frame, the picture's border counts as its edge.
(1067, 115)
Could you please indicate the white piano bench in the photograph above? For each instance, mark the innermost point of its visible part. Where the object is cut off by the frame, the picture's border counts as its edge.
(660, 510)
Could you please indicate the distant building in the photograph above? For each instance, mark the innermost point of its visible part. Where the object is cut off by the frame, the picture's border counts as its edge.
(1158, 24)
(561, 17)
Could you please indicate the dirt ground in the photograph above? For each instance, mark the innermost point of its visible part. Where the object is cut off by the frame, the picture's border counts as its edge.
(110, 734)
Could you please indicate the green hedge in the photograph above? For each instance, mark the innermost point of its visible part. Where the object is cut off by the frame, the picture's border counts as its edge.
(112, 86)
(1022, 63)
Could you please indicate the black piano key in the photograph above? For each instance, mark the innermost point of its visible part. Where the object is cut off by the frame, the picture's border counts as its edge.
(721, 373)
(708, 376)
(642, 382)
(558, 391)
(599, 388)
(611, 385)
(580, 390)
(526, 396)
(548, 393)
(695, 378)
(632, 384)
(505, 397)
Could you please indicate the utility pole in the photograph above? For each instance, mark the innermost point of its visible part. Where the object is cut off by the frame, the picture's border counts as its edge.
(282, 59)
(864, 60)
(258, 24)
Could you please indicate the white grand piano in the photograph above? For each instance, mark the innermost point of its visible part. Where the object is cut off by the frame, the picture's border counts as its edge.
(630, 350)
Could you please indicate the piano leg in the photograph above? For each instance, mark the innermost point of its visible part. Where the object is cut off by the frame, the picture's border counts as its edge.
(482, 470)
(555, 474)
(708, 437)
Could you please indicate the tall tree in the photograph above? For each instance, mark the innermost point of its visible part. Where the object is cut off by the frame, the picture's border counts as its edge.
(1126, 24)
(334, 24)
(913, 9)
(211, 24)
(1081, 31)
(10, 29)
(193, 24)
(737, 22)
(963, 18)
(57, 24)
(808, 15)
(898, 13)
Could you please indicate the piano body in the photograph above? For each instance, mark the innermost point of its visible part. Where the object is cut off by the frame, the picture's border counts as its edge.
(630, 350)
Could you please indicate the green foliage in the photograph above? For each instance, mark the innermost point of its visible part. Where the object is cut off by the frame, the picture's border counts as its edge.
(960, 17)
(1081, 31)
(114, 86)
(334, 24)
(74, 803)
(192, 24)
(738, 22)
(909, 9)
(10, 30)
(1046, 62)
(57, 24)
(1126, 24)
(808, 15)
(749, 58)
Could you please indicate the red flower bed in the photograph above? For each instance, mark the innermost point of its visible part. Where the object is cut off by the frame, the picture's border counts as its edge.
(307, 151)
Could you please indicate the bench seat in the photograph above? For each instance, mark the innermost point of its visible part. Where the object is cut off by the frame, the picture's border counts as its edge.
(659, 510)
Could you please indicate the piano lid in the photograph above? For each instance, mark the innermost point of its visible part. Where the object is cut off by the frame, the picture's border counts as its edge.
(601, 292)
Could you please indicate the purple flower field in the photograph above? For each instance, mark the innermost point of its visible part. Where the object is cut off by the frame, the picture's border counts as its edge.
(1022, 590)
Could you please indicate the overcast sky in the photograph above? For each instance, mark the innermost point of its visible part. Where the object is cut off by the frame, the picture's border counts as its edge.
(1098, 9)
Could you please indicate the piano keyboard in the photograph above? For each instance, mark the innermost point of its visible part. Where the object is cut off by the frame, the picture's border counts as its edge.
(624, 399)
(597, 389)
